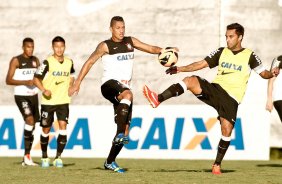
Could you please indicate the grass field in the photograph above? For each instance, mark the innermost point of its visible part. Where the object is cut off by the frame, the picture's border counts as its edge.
(81, 171)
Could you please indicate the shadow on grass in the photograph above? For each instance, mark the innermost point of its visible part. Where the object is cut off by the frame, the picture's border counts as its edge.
(102, 168)
(39, 164)
(191, 170)
(269, 165)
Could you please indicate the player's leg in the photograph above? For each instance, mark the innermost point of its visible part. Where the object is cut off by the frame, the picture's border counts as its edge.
(121, 97)
(62, 112)
(226, 130)
(188, 83)
(46, 121)
(25, 106)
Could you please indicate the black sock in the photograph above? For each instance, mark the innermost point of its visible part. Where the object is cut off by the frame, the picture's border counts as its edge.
(61, 143)
(171, 91)
(121, 116)
(28, 139)
(116, 148)
(222, 148)
(44, 143)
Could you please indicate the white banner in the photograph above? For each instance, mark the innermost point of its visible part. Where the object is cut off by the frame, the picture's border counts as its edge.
(168, 132)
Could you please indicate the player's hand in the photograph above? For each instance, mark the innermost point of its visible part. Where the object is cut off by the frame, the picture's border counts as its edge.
(74, 89)
(269, 105)
(175, 49)
(172, 70)
(47, 93)
(29, 83)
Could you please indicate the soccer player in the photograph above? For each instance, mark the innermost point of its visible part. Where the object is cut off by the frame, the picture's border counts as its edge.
(226, 91)
(20, 74)
(274, 92)
(54, 78)
(117, 54)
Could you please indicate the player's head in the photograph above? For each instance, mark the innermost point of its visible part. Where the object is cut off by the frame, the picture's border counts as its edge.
(117, 27)
(28, 46)
(58, 45)
(234, 36)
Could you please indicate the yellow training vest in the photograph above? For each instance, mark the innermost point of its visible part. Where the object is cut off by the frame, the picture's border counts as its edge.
(234, 72)
(57, 80)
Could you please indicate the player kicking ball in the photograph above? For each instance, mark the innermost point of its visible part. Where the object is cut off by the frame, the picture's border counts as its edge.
(226, 91)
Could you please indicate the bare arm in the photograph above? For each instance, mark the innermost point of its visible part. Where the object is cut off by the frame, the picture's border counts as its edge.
(198, 65)
(269, 102)
(145, 47)
(14, 64)
(101, 50)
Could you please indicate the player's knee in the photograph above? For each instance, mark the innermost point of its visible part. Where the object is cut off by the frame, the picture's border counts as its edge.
(127, 94)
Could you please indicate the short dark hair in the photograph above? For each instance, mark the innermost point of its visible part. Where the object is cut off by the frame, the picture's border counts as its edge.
(27, 39)
(116, 18)
(58, 39)
(239, 29)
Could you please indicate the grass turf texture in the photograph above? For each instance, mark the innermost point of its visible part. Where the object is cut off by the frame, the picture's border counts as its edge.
(79, 171)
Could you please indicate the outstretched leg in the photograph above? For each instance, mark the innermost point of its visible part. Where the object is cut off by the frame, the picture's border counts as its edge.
(188, 83)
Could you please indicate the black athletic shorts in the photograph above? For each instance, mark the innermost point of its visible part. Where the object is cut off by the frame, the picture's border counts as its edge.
(111, 89)
(48, 112)
(215, 96)
(28, 106)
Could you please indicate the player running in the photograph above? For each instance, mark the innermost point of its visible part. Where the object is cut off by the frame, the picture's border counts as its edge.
(226, 91)
(20, 74)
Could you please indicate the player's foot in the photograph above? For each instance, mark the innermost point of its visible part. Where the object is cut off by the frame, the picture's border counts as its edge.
(151, 96)
(121, 139)
(114, 167)
(216, 169)
(27, 160)
(58, 162)
(45, 162)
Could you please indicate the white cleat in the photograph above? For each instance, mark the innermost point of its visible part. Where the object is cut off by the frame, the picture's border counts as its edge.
(27, 160)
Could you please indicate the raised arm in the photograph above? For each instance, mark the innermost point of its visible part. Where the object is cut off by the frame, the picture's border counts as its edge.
(98, 53)
(145, 47)
(198, 65)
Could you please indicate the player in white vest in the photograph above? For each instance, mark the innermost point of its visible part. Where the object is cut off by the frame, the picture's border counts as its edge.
(20, 74)
(117, 55)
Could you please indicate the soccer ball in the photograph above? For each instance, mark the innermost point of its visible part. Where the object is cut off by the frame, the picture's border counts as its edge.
(168, 57)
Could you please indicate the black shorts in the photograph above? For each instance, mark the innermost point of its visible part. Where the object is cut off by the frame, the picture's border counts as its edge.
(111, 89)
(215, 96)
(48, 111)
(28, 106)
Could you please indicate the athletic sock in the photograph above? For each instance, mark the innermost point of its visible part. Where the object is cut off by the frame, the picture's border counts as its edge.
(222, 148)
(61, 142)
(172, 91)
(44, 140)
(121, 115)
(115, 149)
(28, 138)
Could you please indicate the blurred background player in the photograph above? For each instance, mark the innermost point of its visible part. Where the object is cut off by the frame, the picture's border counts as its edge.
(226, 91)
(274, 92)
(20, 74)
(117, 55)
(54, 78)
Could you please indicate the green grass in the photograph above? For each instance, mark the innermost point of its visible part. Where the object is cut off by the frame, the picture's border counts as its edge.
(80, 171)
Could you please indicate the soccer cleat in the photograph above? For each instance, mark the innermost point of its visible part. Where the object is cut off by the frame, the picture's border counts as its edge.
(114, 167)
(121, 139)
(27, 160)
(45, 162)
(58, 163)
(216, 169)
(151, 96)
